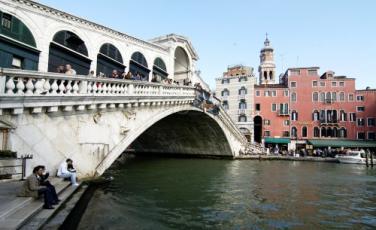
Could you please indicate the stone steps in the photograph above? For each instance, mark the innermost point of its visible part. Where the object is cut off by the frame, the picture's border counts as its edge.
(15, 214)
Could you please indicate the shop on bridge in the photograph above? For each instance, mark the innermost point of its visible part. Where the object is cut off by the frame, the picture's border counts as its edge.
(159, 70)
(139, 65)
(17, 44)
(67, 48)
(109, 59)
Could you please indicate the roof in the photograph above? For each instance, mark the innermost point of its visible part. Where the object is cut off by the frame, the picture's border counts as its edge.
(161, 40)
(273, 140)
(342, 143)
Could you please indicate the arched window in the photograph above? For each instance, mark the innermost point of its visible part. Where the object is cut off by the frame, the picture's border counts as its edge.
(17, 44)
(315, 115)
(334, 116)
(109, 59)
(293, 96)
(159, 70)
(322, 96)
(68, 48)
(304, 131)
(343, 115)
(335, 132)
(342, 133)
(315, 96)
(225, 93)
(242, 78)
(271, 75)
(139, 66)
(225, 105)
(334, 96)
(265, 75)
(316, 132)
(242, 118)
(328, 96)
(242, 104)
(342, 96)
(294, 132)
(242, 91)
(294, 115)
(329, 132)
(182, 65)
(323, 132)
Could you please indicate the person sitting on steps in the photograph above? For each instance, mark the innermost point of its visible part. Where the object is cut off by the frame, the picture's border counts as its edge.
(66, 170)
(32, 188)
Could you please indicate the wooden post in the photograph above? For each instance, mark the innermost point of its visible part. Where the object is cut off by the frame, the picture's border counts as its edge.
(366, 158)
(371, 159)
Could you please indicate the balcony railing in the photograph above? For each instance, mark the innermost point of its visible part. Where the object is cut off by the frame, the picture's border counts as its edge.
(328, 101)
(242, 111)
(283, 112)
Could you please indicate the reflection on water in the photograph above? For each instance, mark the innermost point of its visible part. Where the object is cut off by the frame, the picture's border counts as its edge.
(159, 193)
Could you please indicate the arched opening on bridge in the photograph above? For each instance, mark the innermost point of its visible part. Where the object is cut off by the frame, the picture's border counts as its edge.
(17, 44)
(67, 48)
(109, 59)
(138, 65)
(184, 133)
(246, 133)
(159, 70)
(182, 65)
(257, 124)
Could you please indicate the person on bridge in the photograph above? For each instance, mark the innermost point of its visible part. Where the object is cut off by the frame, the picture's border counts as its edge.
(66, 170)
(32, 188)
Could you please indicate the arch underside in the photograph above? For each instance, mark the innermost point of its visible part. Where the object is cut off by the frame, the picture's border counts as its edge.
(188, 133)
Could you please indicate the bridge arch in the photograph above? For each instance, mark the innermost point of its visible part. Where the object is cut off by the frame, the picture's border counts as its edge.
(171, 119)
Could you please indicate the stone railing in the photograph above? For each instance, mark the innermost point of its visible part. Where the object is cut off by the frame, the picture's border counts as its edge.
(20, 88)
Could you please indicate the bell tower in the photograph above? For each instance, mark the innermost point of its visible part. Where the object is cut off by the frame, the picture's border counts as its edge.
(267, 65)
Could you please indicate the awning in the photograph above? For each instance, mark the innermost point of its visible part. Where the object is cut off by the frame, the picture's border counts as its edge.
(273, 140)
(342, 143)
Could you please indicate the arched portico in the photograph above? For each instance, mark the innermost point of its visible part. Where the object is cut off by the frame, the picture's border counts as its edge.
(182, 65)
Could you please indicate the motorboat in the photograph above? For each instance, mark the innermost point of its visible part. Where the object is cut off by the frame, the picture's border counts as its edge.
(355, 157)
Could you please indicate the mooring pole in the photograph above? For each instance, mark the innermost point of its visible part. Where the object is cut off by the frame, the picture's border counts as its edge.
(367, 159)
(371, 159)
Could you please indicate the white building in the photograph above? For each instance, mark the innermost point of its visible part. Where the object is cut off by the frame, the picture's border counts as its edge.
(37, 37)
(235, 90)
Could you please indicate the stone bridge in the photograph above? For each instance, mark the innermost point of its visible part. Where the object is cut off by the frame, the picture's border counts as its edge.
(94, 120)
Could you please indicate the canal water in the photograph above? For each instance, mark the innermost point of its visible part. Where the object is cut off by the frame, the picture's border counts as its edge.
(165, 193)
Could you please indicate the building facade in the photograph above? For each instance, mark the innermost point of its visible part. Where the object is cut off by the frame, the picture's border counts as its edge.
(235, 90)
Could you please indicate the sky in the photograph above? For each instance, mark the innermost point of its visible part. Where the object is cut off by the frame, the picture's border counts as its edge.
(338, 35)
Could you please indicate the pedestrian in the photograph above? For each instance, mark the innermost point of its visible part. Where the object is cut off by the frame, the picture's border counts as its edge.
(69, 70)
(43, 180)
(32, 188)
(66, 170)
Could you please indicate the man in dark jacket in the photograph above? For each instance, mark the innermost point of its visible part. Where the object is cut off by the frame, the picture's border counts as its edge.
(32, 188)
(43, 180)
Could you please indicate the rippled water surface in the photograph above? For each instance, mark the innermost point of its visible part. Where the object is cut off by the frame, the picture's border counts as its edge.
(161, 193)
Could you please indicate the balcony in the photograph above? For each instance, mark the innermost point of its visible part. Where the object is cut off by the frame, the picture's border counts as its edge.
(328, 101)
(242, 111)
(328, 122)
(283, 112)
(242, 97)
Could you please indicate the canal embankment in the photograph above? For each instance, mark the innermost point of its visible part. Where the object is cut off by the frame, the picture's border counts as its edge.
(287, 158)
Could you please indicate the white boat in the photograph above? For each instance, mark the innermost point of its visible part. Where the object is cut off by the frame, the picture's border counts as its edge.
(354, 157)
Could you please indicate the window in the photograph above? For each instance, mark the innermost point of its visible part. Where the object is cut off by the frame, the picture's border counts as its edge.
(342, 133)
(294, 132)
(6, 21)
(242, 105)
(322, 96)
(328, 96)
(266, 93)
(284, 109)
(242, 118)
(371, 122)
(267, 122)
(225, 93)
(258, 107)
(323, 132)
(257, 93)
(293, 84)
(315, 115)
(314, 83)
(295, 72)
(225, 105)
(360, 108)
(315, 96)
(267, 133)
(352, 117)
(294, 115)
(274, 107)
(286, 93)
(342, 115)
(293, 96)
(334, 96)
(316, 132)
(361, 136)
(285, 133)
(371, 136)
(274, 93)
(360, 98)
(304, 131)
(322, 83)
(17, 62)
(342, 96)
(242, 91)
(360, 122)
(242, 79)
(286, 122)
(351, 97)
(225, 81)
(312, 72)
(334, 83)
(341, 83)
